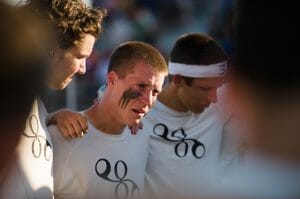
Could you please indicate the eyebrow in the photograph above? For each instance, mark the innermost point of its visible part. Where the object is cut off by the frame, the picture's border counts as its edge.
(148, 86)
(143, 84)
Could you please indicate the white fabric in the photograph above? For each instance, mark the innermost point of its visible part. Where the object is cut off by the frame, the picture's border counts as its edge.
(169, 174)
(262, 177)
(30, 174)
(198, 71)
(75, 164)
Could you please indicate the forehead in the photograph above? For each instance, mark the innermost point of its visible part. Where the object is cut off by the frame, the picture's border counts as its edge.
(143, 73)
(213, 82)
(85, 46)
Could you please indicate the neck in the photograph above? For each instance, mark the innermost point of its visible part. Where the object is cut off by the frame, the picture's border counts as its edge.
(103, 118)
(169, 97)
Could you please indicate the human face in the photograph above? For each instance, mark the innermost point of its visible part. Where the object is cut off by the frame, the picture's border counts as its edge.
(137, 92)
(200, 94)
(66, 63)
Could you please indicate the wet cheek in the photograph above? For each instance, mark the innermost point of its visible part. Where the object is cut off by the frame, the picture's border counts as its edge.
(128, 96)
(153, 100)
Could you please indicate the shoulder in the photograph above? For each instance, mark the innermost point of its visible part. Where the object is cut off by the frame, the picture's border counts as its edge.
(59, 142)
(55, 133)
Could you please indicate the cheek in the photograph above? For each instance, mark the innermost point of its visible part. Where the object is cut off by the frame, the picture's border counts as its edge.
(192, 96)
(154, 98)
(73, 66)
(64, 67)
(128, 96)
(70, 68)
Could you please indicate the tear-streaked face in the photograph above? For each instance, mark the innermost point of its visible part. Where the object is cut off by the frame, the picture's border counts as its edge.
(137, 92)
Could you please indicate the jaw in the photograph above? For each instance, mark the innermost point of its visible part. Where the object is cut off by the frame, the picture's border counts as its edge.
(198, 110)
(59, 85)
(54, 86)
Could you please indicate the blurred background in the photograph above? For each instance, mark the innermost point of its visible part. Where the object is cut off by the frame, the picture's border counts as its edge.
(158, 22)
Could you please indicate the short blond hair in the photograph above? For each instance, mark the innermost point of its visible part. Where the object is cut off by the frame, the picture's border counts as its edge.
(127, 54)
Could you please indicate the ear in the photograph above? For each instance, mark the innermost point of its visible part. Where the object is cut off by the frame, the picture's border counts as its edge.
(177, 80)
(112, 76)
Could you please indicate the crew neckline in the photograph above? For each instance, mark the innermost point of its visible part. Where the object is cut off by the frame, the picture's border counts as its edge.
(91, 128)
(162, 107)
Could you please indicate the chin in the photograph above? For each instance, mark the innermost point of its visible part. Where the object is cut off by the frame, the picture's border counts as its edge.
(60, 87)
(56, 86)
(63, 86)
(135, 122)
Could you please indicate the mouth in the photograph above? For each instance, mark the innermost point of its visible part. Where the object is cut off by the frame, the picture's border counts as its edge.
(139, 112)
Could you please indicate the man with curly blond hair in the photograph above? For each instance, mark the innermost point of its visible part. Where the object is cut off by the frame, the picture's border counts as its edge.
(74, 29)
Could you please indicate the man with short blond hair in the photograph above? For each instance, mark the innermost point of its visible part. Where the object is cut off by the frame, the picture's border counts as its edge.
(109, 162)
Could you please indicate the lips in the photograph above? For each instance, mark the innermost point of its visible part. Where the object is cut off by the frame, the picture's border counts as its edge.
(140, 112)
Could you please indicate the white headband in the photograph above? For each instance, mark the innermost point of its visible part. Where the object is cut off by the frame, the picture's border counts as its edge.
(198, 71)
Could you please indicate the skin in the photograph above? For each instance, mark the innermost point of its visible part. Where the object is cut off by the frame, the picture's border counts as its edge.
(66, 63)
(196, 97)
(143, 86)
(128, 95)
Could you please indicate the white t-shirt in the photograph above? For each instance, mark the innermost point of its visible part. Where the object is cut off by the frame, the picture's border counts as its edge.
(30, 173)
(262, 177)
(99, 165)
(185, 150)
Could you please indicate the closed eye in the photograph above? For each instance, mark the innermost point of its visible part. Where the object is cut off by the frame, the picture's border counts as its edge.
(142, 86)
(204, 88)
(81, 57)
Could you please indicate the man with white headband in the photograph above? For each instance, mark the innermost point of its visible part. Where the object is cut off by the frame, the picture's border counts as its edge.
(185, 124)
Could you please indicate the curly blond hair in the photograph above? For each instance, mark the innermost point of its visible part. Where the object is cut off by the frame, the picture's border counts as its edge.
(70, 19)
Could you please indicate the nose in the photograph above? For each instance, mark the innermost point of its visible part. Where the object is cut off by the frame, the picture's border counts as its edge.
(82, 67)
(212, 96)
(147, 98)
